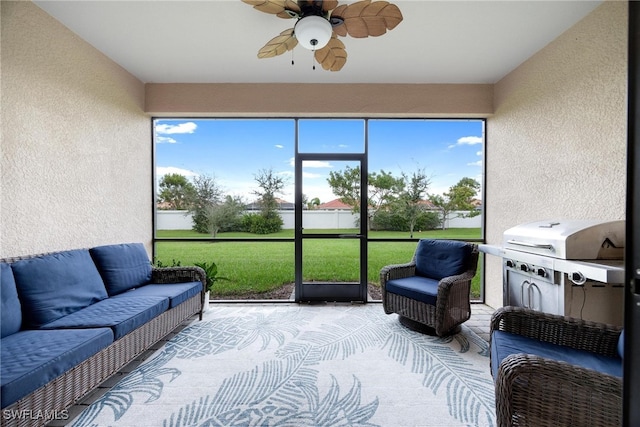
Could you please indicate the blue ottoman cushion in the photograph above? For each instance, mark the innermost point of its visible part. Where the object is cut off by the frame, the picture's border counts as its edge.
(177, 292)
(415, 287)
(122, 315)
(123, 267)
(32, 358)
(437, 259)
(504, 344)
(55, 285)
(10, 309)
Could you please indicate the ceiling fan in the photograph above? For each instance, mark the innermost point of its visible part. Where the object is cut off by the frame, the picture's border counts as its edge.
(320, 22)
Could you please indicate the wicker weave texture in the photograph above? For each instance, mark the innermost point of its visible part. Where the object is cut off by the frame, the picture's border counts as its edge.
(534, 391)
(453, 306)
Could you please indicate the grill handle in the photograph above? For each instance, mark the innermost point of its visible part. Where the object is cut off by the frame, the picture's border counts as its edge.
(531, 245)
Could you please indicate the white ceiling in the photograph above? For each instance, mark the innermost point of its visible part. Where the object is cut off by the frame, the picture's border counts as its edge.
(216, 41)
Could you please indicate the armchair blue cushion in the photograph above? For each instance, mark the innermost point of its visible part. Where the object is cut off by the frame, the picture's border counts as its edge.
(415, 287)
(56, 285)
(504, 344)
(123, 267)
(10, 311)
(437, 259)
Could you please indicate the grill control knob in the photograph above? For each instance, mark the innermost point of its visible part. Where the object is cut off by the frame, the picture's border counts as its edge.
(511, 263)
(524, 267)
(541, 272)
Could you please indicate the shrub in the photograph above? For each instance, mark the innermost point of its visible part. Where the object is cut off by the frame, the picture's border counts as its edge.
(393, 221)
(261, 224)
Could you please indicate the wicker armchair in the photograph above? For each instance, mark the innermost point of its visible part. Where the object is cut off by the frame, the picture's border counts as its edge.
(536, 391)
(431, 292)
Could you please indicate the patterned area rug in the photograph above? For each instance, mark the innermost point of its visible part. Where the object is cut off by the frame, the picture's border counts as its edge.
(303, 365)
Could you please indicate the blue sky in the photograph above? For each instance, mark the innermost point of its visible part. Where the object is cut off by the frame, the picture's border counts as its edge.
(235, 150)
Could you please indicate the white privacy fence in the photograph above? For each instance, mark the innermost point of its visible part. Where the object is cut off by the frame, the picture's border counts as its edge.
(315, 219)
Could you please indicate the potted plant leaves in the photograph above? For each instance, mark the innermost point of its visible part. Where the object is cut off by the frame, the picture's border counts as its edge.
(211, 272)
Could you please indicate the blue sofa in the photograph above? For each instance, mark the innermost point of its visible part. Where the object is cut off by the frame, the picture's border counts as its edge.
(71, 319)
(552, 370)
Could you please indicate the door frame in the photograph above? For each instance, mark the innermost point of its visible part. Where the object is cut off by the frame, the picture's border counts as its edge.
(341, 292)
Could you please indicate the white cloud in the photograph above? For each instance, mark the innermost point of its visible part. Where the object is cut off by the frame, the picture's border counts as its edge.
(312, 175)
(470, 140)
(279, 146)
(316, 164)
(311, 163)
(162, 171)
(467, 140)
(165, 140)
(479, 153)
(478, 163)
(166, 129)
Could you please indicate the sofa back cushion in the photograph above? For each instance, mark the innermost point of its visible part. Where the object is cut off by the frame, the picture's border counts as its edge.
(437, 259)
(55, 285)
(123, 267)
(10, 310)
(621, 344)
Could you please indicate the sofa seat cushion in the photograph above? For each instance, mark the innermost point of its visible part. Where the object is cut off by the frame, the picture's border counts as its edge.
(504, 344)
(32, 358)
(123, 267)
(55, 285)
(122, 315)
(176, 292)
(10, 308)
(415, 287)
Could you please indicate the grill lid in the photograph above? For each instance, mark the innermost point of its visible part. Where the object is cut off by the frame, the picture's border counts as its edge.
(568, 239)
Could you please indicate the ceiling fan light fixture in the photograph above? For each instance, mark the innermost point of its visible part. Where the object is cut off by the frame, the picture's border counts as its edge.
(313, 32)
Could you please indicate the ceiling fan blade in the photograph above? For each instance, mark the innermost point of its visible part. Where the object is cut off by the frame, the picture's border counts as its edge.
(328, 5)
(366, 18)
(333, 56)
(276, 7)
(278, 45)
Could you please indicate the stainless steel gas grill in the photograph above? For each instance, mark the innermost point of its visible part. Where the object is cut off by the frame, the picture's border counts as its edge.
(568, 267)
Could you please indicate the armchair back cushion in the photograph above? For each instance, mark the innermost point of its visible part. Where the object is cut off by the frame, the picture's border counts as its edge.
(10, 310)
(437, 259)
(55, 285)
(122, 267)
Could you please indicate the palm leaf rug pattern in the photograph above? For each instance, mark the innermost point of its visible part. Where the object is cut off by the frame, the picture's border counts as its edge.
(292, 365)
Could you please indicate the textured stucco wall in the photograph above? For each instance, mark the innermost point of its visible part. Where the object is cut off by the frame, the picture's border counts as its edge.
(76, 150)
(557, 141)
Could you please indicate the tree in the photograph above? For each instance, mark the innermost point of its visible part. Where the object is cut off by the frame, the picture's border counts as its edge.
(176, 191)
(207, 195)
(313, 203)
(382, 189)
(271, 186)
(346, 185)
(411, 197)
(459, 198)
(224, 216)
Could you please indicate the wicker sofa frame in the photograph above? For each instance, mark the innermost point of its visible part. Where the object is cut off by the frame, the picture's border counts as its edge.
(70, 387)
(534, 391)
(453, 306)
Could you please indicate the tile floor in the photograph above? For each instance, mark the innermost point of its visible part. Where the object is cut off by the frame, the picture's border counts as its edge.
(478, 323)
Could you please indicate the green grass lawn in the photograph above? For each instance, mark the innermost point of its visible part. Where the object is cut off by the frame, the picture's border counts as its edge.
(264, 266)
